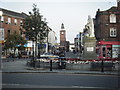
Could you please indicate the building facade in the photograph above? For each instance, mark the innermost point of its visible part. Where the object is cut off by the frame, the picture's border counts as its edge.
(12, 22)
(107, 30)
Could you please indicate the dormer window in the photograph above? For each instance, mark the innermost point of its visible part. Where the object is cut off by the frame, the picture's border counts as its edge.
(112, 18)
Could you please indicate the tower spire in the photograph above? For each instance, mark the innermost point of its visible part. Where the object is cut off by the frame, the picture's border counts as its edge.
(62, 26)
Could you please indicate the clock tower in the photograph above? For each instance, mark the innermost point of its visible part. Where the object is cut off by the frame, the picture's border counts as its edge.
(62, 36)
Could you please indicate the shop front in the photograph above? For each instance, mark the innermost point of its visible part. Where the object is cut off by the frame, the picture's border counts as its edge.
(108, 49)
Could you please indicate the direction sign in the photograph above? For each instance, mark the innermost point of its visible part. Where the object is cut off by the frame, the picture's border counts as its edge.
(1, 33)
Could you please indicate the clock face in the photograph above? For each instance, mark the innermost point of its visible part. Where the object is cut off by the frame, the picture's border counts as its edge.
(62, 32)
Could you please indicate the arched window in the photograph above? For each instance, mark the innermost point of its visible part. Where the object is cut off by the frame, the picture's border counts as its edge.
(112, 18)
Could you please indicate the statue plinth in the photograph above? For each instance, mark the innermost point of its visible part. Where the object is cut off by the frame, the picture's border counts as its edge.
(89, 48)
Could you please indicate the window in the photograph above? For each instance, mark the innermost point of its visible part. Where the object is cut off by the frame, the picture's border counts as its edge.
(21, 23)
(112, 18)
(15, 21)
(9, 20)
(2, 19)
(113, 32)
(9, 32)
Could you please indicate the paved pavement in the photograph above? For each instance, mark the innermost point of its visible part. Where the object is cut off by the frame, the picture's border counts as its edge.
(19, 66)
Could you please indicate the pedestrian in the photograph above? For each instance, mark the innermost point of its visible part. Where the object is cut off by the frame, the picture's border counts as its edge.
(19, 55)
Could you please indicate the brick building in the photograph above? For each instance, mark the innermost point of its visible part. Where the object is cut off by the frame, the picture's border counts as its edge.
(107, 30)
(11, 22)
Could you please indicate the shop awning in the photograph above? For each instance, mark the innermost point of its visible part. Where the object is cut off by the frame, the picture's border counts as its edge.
(108, 43)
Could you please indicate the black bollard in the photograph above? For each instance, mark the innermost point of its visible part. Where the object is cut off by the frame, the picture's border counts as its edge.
(102, 66)
(50, 65)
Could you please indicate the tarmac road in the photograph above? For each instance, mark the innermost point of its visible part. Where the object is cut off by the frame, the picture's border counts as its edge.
(53, 80)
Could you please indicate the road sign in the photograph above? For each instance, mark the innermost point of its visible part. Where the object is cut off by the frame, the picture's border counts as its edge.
(1, 33)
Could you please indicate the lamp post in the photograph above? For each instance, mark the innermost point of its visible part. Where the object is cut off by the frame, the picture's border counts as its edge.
(47, 31)
(1, 13)
(1, 38)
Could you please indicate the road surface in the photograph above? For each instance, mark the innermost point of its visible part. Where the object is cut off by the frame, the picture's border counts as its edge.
(49, 80)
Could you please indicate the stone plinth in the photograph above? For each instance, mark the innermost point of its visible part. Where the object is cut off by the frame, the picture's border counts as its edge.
(89, 48)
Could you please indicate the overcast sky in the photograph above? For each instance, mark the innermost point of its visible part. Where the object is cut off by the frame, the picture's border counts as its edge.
(73, 13)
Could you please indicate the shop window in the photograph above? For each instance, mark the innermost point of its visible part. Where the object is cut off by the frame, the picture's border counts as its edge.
(112, 18)
(109, 52)
(113, 32)
(115, 52)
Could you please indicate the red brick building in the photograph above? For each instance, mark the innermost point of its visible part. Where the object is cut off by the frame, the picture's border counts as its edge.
(62, 36)
(12, 22)
(107, 30)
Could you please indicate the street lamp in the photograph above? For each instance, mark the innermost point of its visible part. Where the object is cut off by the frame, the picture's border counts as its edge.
(47, 31)
(1, 13)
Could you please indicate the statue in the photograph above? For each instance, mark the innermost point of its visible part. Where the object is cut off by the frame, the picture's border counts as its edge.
(90, 27)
